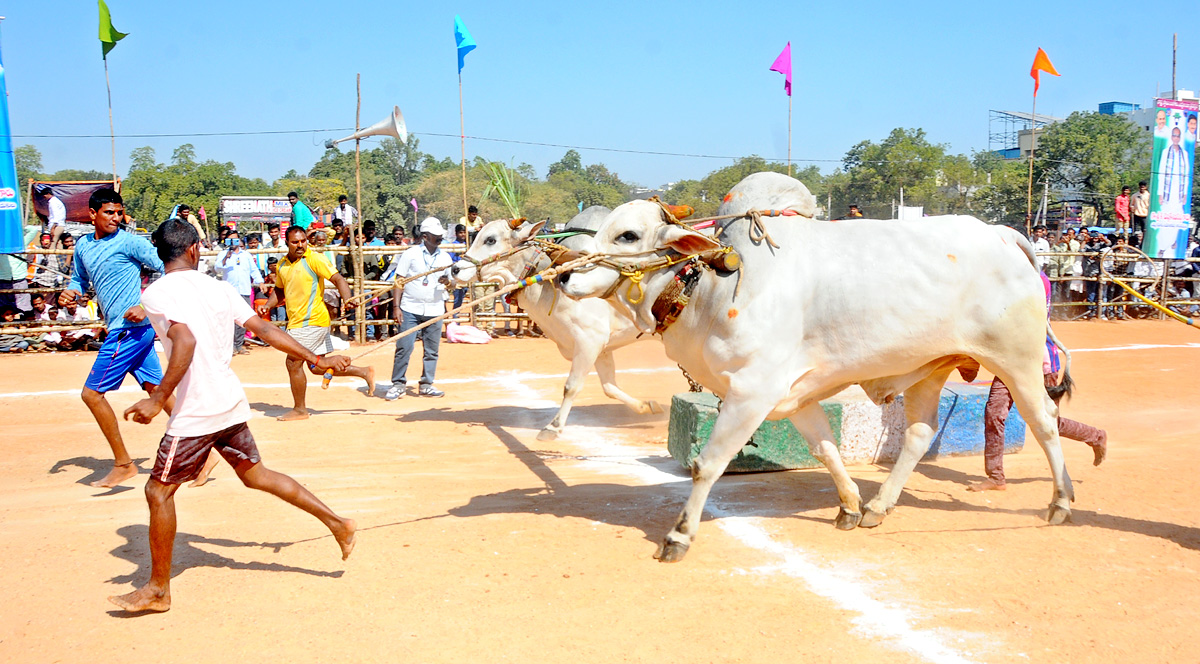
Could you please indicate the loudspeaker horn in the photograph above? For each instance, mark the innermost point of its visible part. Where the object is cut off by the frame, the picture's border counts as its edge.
(393, 126)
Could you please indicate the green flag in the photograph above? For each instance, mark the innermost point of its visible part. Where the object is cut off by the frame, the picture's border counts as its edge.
(108, 34)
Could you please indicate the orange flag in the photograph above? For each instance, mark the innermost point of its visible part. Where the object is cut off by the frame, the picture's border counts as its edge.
(1041, 63)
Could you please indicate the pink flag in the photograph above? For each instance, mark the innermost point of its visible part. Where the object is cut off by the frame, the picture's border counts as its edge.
(203, 215)
(413, 202)
(783, 65)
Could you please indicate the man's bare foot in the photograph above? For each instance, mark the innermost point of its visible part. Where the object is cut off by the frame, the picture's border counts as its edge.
(987, 485)
(346, 537)
(293, 414)
(118, 474)
(370, 381)
(144, 599)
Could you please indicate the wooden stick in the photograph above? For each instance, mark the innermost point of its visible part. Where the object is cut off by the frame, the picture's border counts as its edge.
(360, 317)
(1032, 148)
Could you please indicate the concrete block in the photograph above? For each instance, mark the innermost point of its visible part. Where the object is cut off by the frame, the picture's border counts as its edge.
(864, 432)
(774, 446)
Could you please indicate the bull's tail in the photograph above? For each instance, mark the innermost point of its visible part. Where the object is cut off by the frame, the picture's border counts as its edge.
(1067, 385)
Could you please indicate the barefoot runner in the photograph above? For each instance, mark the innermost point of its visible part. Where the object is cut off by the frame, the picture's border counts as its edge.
(194, 315)
(299, 283)
(110, 260)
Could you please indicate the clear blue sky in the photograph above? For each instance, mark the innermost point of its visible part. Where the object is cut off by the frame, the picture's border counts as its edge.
(687, 77)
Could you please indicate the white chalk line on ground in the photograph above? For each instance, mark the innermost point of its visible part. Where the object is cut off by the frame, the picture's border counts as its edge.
(875, 617)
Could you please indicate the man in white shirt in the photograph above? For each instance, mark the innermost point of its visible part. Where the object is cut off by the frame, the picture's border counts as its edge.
(1040, 245)
(345, 212)
(238, 269)
(193, 315)
(57, 218)
(422, 300)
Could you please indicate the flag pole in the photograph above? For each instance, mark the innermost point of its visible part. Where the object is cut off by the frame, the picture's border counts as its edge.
(360, 314)
(462, 135)
(789, 135)
(111, 132)
(1032, 148)
(462, 128)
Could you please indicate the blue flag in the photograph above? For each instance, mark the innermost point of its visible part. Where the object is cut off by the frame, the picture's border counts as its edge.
(464, 40)
(12, 238)
(581, 206)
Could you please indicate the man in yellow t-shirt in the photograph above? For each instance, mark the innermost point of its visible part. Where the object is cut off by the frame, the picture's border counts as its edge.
(299, 283)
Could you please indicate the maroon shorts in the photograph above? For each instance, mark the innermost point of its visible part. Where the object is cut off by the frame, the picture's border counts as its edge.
(181, 459)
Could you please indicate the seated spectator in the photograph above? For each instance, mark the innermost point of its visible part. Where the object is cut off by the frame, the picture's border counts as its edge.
(10, 340)
(37, 303)
(72, 312)
(43, 268)
(66, 262)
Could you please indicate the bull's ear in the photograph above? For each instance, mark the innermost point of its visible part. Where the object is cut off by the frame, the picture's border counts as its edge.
(685, 240)
(529, 230)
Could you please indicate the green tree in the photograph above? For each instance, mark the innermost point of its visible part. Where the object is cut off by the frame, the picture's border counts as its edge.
(151, 189)
(29, 164)
(905, 160)
(1090, 156)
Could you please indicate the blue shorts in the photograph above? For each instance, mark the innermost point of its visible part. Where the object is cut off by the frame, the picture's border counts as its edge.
(127, 351)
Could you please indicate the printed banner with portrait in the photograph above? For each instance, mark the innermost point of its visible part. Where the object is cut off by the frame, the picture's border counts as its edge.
(1171, 168)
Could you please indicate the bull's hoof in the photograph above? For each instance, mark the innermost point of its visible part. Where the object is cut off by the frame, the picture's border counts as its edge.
(847, 520)
(547, 434)
(1058, 515)
(652, 407)
(671, 551)
(871, 519)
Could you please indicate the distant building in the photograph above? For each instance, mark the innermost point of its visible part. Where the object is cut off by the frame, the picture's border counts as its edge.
(1009, 132)
(1115, 107)
(1144, 117)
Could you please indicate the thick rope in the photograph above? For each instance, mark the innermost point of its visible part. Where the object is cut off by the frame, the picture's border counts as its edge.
(1143, 298)
(544, 275)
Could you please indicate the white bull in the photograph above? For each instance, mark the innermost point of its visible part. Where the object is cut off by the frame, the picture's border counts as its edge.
(586, 331)
(892, 306)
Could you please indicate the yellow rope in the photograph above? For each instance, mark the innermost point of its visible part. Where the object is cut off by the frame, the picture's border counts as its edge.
(1143, 298)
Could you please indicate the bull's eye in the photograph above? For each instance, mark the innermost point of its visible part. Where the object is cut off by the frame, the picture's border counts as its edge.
(628, 236)
(490, 241)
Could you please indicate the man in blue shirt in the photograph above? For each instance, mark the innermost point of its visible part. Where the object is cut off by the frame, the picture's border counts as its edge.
(110, 261)
(238, 269)
(301, 215)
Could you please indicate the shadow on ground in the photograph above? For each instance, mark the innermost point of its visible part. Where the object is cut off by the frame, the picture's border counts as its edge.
(802, 494)
(608, 415)
(275, 410)
(97, 468)
(188, 554)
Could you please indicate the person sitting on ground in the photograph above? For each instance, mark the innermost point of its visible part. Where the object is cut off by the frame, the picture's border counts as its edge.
(11, 340)
(71, 312)
(194, 317)
(298, 284)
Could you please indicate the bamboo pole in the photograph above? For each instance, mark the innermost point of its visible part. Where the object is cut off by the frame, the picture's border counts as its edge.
(789, 134)
(360, 316)
(462, 129)
(1032, 148)
(111, 131)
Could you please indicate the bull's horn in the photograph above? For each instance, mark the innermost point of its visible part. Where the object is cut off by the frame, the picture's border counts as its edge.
(516, 223)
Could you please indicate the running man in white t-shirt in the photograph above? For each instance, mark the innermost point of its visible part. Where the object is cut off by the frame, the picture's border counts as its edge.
(194, 315)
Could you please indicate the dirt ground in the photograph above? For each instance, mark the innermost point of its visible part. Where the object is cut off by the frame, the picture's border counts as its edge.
(480, 544)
